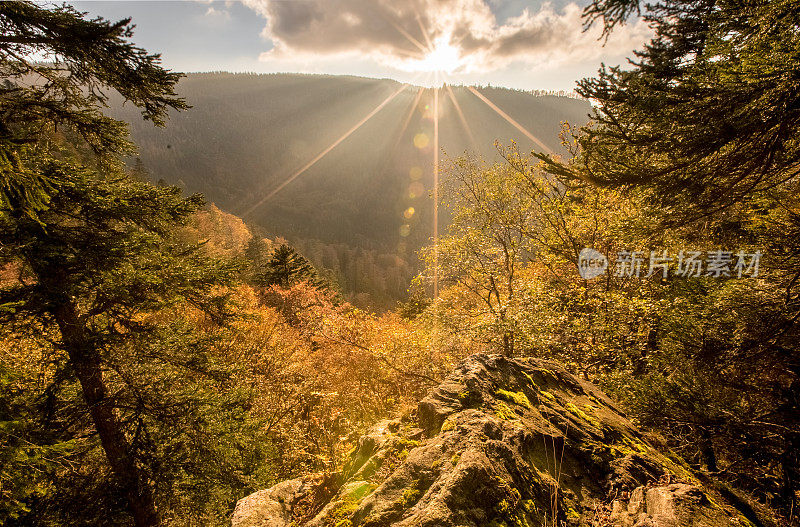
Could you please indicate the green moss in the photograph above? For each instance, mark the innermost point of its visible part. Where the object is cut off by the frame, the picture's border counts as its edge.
(455, 459)
(678, 460)
(515, 397)
(636, 445)
(502, 411)
(595, 400)
(583, 415)
(547, 395)
(679, 468)
(545, 371)
(529, 506)
(411, 495)
(408, 443)
(340, 516)
(515, 512)
(572, 514)
(504, 507)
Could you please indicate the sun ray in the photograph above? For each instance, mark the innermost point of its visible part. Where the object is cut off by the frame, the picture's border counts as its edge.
(389, 156)
(326, 151)
(436, 192)
(461, 117)
(511, 121)
(423, 29)
(416, 55)
(407, 120)
(410, 37)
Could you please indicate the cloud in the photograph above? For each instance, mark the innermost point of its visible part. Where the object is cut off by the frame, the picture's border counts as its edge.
(464, 33)
(218, 13)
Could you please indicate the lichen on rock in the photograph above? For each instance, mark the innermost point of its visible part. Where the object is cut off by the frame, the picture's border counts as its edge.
(503, 442)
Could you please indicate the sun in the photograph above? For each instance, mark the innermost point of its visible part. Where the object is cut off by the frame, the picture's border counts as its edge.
(443, 57)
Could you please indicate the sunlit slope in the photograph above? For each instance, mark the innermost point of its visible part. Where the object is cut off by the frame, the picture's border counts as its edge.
(246, 135)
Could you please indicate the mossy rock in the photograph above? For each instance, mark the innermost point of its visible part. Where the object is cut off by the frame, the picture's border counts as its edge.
(515, 443)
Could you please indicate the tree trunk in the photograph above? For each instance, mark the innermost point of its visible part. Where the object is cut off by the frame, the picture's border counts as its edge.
(87, 365)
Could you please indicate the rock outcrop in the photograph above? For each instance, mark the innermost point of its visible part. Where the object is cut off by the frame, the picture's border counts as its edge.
(501, 442)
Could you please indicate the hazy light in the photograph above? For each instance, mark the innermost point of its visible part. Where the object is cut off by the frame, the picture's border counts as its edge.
(443, 57)
(325, 152)
(405, 230)
(510, 120)
(415, 173)
(463, 119)
(421, 140)
(409, 213)
(416, 190)
(408, 118)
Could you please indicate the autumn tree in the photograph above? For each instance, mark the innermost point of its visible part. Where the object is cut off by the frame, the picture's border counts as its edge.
(704, 124)
(484, 247)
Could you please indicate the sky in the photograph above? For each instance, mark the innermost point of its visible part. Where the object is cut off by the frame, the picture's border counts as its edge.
(524, 44)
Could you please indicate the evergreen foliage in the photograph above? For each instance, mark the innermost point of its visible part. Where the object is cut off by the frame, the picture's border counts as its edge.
(284, 268)
(57, 68)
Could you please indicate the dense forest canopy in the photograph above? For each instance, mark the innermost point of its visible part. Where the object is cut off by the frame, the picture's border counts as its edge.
(160, 359)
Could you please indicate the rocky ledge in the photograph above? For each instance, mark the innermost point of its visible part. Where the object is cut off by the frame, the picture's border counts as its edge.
(501, 442)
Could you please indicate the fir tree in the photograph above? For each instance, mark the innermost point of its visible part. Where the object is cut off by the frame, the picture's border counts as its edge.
(96, 268)
(57, 68)
(286, 267)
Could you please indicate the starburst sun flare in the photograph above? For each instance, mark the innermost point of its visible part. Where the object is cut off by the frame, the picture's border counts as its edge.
(442, 57)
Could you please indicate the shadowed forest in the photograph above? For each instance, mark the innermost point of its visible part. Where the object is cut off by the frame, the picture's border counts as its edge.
(246, 134)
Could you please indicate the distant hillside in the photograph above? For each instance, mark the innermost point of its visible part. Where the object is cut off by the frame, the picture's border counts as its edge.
(246, 134)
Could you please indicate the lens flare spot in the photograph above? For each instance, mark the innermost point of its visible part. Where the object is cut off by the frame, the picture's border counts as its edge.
(421, 140)
(415, 190)
(415, 173)
(409, 213)
(405, 230)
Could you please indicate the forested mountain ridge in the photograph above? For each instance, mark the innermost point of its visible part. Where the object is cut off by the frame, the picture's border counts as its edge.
(366, 201)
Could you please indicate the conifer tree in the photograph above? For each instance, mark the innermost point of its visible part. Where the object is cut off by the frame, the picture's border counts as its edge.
(286, 267)
(95, 266)
(93, 247)
(708, 113)
(58, 68)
